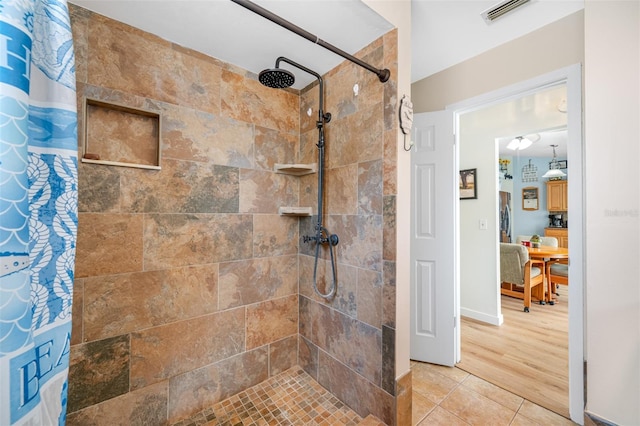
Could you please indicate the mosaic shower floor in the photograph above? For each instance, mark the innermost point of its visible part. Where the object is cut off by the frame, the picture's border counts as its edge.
(290, 398)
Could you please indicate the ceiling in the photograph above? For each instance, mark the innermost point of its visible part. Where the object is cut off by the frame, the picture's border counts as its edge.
(229, 32)
(540, 117)
(466, 33)
(233, 34)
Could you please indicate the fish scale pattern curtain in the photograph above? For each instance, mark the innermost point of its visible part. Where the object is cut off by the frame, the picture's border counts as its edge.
(38, 209)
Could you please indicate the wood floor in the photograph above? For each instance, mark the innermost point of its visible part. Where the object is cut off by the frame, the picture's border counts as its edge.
(527, 355)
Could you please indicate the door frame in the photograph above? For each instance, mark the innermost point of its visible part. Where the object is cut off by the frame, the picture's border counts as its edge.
(572, 77)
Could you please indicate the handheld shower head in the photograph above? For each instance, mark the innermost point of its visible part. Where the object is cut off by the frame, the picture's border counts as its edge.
(276, 78)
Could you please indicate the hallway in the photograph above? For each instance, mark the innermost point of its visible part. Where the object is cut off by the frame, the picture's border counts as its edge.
(527, 355)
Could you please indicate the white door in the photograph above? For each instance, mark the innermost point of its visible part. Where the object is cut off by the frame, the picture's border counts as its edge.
(434, 332)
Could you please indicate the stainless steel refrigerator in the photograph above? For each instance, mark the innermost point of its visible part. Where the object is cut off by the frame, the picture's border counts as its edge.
(505, 217)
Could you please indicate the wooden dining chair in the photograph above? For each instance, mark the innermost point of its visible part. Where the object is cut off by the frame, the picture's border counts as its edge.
(557, 272)
(545, 241)
(521, 276)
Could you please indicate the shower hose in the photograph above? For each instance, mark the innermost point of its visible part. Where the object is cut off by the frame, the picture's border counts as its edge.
(332, 240)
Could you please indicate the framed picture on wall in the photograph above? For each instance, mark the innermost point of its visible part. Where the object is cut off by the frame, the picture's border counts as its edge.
(467, 184)
(530, 198)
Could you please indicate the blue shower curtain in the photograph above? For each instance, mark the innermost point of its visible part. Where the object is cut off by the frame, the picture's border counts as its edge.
(38, 209)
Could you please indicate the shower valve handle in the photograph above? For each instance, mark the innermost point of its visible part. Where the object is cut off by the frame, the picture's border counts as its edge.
(332, 239)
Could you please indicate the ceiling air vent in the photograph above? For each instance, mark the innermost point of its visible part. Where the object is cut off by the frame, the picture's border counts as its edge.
(496, 11)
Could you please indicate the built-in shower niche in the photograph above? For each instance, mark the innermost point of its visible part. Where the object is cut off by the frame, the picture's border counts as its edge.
(120, 135)
(295, 170)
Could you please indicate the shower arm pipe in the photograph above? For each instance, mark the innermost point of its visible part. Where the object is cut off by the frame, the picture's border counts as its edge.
(383, 74)
(321, 117)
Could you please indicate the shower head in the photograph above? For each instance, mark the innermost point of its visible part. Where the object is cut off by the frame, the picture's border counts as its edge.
(276, 78)
(279, 78)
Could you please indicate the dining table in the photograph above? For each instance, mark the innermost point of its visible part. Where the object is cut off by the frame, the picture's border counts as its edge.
(547, 254)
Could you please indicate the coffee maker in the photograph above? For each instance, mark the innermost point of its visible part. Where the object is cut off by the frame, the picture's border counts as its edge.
(555, 221)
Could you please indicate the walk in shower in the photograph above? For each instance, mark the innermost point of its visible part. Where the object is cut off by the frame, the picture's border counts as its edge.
(193, 294)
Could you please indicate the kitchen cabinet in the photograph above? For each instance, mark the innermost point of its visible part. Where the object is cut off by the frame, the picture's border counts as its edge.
(557, 196)
(561, 234)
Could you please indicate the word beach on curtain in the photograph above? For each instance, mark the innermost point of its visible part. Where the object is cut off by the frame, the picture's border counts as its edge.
(38, 209)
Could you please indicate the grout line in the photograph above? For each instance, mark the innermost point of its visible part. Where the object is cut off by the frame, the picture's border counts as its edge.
(517, 411)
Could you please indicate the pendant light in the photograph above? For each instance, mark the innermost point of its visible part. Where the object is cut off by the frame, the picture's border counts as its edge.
(554, 171)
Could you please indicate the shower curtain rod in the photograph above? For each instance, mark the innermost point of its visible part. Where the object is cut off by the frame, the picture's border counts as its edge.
(383, 74)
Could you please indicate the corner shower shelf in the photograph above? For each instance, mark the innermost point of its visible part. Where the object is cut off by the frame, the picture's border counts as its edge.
(295, 211)
(295, 169)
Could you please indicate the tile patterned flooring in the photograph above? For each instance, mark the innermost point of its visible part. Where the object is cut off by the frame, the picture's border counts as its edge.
(450, 396)
(441, 396)
(289, 398)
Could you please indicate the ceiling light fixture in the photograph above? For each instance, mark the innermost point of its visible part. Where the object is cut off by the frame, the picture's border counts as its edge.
(519, 143)
(533, 137)
(554, 172)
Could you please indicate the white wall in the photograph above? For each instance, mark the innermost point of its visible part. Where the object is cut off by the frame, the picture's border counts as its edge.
(552, 47)
(478, 270)
(398, 12)
(612, 117)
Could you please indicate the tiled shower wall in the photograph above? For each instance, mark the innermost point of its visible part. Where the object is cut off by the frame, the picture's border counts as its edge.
(348, 344)
(186, 277)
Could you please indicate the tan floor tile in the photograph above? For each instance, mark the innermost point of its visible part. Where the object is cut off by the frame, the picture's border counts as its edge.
(431, 384)
(441, 417)
(521, 420)
(542, 416)
(476, 409)
(450, 372)
(493, 392)
(420, 407)
(292, 398)
(464, 400)
(371, 420)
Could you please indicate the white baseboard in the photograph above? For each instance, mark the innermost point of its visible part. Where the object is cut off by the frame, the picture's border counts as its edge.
(481, 316)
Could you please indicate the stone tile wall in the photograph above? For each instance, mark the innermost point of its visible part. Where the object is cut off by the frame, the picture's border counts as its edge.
(189, 286)
(348, 343)
(186, 277)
